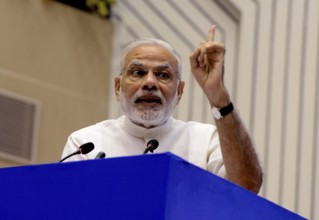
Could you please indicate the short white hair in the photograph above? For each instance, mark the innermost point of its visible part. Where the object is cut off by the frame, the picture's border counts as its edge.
(149, 41)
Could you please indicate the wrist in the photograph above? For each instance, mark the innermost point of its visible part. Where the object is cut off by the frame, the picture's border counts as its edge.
(219, 113)
(220, 99)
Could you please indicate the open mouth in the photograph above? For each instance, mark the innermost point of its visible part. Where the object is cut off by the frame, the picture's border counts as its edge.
(149, 99)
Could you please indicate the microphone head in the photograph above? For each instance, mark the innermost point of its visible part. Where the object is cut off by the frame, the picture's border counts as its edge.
(152, 145)
(86, 148)
(100, 155)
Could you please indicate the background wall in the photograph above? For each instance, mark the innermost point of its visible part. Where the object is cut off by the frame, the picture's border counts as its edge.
(59, 57)
(272, 73)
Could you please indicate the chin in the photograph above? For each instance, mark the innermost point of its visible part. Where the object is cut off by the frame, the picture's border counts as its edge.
(148, 118)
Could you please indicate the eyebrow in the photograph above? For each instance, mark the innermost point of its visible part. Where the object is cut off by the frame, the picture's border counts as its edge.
(139, 63)
(135, 63)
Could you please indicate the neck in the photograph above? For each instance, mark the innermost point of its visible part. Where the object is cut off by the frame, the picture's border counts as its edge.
(147, 125)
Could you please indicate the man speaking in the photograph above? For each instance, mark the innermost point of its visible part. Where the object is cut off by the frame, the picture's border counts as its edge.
(149, 87)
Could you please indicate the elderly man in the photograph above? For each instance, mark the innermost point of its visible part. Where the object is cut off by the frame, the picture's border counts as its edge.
(149, 88)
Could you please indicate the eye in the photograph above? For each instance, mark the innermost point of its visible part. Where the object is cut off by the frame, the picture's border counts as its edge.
(163, 75)
(137, 72)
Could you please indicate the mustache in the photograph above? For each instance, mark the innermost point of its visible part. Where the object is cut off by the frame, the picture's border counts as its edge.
(154, 96)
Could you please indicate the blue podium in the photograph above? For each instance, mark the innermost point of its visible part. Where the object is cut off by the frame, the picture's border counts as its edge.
(146, 187)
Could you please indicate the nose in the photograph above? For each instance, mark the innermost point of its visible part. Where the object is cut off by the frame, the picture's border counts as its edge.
(150, 81)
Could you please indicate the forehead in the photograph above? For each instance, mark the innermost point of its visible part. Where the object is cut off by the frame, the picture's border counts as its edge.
(151, 54)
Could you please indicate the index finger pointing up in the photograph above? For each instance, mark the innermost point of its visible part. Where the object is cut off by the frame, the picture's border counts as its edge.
(211, 33)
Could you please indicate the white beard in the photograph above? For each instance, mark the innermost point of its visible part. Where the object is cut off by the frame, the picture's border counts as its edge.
(149, 116)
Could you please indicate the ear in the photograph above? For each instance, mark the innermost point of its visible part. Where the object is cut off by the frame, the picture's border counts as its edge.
(180, 90)
(117, 87)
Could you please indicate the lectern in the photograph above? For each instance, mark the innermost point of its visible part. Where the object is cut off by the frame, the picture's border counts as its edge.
(146, 187)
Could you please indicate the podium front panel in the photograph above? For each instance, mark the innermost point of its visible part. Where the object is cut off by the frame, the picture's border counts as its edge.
(157, 187)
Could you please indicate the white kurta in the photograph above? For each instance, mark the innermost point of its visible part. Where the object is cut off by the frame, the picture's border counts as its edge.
(195, 142)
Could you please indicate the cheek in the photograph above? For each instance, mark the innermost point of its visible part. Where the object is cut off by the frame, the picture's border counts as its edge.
(169, 92)
(129, 88)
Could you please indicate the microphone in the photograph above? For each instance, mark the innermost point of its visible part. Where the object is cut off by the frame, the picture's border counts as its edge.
(83, 149)
(100, 155)
(151, 146)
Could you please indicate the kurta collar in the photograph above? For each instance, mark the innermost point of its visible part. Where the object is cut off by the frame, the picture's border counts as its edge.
(146, 133)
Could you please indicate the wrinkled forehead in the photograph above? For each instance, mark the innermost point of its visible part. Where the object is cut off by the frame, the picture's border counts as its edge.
(149, 55)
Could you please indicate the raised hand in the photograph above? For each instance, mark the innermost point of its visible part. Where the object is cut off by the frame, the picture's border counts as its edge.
(207, 66)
